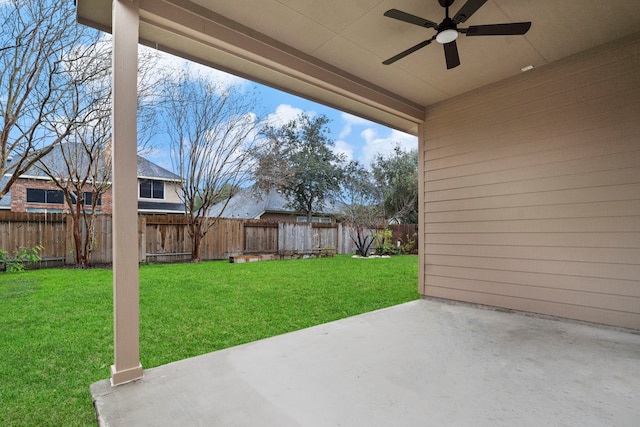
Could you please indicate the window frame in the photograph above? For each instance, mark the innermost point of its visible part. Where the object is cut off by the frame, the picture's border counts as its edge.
(155, 191)
(314, 219)
(48, 196)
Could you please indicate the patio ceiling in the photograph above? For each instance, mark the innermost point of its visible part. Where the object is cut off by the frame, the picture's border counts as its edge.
(331, 51)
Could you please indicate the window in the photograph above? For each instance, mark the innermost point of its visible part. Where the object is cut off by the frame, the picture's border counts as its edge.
(87, 198)
(323, 219)
(50, 197)
(151, 189)
(36, 195)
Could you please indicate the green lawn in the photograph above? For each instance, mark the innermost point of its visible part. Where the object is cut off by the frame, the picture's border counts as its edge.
(57, 333)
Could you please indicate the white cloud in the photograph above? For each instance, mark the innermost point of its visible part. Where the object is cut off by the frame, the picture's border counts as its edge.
(350, 121)
(375, 144)
(345, 132)
(285, 113)
(343, 147)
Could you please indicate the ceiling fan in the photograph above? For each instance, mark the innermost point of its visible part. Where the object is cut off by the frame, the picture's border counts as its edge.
(448, 31)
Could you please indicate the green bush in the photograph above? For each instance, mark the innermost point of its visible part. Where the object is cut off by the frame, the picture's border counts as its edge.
(384, 242)
(15, 262)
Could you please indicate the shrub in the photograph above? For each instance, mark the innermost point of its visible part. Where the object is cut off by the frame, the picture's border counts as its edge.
(384, 242)
(15, 262)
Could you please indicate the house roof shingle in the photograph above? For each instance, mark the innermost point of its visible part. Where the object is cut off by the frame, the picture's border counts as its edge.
(250, 204)
(55, 160)
(148, 169)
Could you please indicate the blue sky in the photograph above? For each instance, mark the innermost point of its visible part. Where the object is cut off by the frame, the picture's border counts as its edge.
(357, 138)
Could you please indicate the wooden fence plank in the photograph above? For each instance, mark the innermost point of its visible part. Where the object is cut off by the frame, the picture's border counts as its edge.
(32, 229)
(407, 235)
(165, 238)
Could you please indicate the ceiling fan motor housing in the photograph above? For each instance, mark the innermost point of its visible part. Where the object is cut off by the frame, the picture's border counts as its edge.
(447, 31)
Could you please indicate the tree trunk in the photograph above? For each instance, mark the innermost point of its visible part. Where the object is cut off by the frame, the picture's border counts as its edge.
(77, 239)
(195, 249)
(196, 239)
(89, 240)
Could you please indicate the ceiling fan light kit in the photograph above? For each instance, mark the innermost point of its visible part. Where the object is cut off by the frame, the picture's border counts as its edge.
(446, 36)
(447, 31)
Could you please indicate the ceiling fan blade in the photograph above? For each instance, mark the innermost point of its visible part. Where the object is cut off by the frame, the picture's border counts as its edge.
(469, 8)
(513, 29)
(408, 51)
(451, 55)
(411, 19)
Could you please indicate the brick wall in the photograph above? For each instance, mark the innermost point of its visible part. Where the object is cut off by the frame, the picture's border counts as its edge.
(19, 197)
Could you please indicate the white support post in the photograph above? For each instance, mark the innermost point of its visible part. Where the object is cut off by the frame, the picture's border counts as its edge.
(422, 258)
(126, 309)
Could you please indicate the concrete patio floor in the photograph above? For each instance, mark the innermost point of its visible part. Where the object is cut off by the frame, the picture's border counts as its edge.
(424, 363)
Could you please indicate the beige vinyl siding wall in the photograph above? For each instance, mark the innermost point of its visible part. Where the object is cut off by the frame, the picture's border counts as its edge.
(172, 191)
(531, 193)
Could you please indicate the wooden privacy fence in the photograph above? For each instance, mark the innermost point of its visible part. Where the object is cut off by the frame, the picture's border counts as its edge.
(407, 235)
(28, 229)
(165, 238)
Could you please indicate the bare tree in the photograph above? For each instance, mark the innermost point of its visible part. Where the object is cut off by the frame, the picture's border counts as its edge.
(39, 99)
(81, 170)
(81, 164)
(212, 132)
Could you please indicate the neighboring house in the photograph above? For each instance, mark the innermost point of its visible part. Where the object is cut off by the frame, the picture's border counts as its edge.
(270, 205)
(158, 189)
(34, 191)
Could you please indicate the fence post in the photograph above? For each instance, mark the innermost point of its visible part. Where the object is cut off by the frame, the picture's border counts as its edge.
(308, 238)
(142, 238)
(69, 244)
